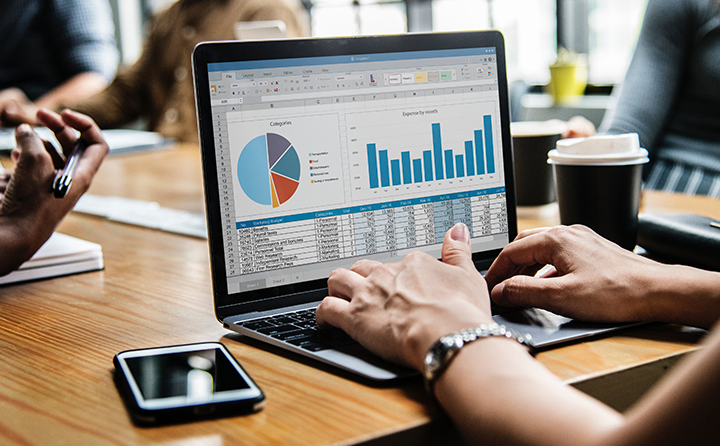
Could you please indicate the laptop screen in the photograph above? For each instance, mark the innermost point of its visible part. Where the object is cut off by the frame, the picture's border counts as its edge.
(341, 155)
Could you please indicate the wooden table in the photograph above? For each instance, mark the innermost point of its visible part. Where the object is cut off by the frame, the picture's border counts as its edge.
(58, 337)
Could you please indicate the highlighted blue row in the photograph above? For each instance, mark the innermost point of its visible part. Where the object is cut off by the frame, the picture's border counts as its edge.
(367, 208)
(478, 159)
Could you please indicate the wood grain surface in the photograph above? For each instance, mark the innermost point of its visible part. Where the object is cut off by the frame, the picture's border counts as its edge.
(58, 338)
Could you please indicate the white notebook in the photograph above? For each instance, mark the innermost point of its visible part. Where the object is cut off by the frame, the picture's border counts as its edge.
(59, 256)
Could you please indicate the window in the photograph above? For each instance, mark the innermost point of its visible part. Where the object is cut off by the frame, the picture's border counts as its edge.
(613, 28)
(528, 27)
(359, 17)
(604, 29)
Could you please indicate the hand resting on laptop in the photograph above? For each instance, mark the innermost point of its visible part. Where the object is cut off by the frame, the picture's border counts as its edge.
(398, 310)
(595, 280)
(493, 389)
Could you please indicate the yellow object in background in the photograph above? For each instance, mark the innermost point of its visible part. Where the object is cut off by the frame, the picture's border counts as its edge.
(568, 77)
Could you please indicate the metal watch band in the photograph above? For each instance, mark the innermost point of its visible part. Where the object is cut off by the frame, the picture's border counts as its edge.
(444, 349)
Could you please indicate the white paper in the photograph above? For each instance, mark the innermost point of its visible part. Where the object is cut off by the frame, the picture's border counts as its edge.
(60, 255)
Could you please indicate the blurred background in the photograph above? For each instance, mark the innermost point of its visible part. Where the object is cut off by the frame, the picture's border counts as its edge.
(603, 30)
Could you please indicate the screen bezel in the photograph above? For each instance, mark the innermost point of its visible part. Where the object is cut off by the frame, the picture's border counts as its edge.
(226, 304)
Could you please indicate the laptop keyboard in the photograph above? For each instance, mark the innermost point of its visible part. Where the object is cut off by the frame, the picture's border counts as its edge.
(299, 328)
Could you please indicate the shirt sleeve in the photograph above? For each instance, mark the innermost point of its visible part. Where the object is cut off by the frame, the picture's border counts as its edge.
(128, 96)
(653, 78)
(84, 37)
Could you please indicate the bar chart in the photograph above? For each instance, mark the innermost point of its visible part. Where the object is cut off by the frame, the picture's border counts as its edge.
(436, 163)
(423, 147)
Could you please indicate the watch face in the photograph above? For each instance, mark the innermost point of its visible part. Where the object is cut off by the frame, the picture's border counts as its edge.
(440, 353)
(435, 356)
(431, 365)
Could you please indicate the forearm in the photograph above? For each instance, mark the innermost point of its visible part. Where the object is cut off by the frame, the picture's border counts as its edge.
(125, 99)
(686, 296)
(18, 243)
(497, 393)
(682, 408)
(74, 90)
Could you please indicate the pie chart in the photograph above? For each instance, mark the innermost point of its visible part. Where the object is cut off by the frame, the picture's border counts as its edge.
(269, 170)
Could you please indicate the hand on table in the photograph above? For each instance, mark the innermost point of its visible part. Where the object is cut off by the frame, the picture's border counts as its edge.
(398, 310)
(576, 127)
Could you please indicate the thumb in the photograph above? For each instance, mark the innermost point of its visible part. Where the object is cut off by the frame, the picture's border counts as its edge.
(456, 247)
(33, 161)
(32, 175)
(27, 141)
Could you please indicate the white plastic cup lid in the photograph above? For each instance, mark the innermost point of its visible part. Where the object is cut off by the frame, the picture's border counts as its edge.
(599, 150)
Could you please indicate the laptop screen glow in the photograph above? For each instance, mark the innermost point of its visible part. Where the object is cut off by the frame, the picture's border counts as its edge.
(324, 161)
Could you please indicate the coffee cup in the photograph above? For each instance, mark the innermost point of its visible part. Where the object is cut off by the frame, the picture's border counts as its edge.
(532, 140)
(599, 182)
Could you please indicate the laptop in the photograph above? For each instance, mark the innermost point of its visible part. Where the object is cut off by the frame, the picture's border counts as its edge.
(320, 152)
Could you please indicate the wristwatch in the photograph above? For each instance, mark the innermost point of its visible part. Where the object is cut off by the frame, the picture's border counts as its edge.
(444, 349)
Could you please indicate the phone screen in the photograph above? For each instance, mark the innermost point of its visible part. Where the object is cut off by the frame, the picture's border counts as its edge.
(168, 383)
(194, 375)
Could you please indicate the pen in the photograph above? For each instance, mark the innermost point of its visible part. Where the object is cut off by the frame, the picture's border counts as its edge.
(64, 177)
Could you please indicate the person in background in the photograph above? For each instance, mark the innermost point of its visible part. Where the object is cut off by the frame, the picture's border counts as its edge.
(492, 388)
(52, 52)
(159, 86)
(670, 97)
(29, 212)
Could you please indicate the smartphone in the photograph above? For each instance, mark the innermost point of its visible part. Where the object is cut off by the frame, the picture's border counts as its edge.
(165, 385)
